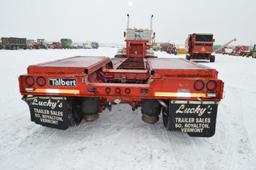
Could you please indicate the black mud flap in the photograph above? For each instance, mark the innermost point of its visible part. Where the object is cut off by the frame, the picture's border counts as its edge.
(195, 119)
(55, 112)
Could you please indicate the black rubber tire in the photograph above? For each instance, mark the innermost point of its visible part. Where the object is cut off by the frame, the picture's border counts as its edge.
(151, 110)
(188, 57)
(90, 108)
(212, 59)
(166, 121)
(150, 119)
(151, 107)
(76, 111)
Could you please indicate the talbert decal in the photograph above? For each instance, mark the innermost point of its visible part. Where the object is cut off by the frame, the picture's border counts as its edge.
(62, 82)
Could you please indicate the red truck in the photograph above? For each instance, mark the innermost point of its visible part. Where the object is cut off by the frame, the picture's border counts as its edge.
(200, 46)
(61, 93)
(241, 50)
(54, 45)
(169, 48)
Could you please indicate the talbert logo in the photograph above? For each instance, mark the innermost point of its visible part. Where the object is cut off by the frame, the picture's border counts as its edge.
(62, 82)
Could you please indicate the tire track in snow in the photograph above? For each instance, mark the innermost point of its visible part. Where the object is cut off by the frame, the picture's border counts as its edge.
(237, 144)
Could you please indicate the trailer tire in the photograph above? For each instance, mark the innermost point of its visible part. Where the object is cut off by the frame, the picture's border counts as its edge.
(76, 112)
(188, 57)
(90, 108)
(165, 117)
(150, 111)
(212, 59)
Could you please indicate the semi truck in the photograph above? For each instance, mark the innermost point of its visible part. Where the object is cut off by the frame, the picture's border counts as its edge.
(200, 47)
(63, 92)
(169, 48)
(14, 43)
(40, 44)
(241, 50)
(66, 43)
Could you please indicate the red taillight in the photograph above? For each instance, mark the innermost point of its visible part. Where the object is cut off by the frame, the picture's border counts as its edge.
(199, 85)
(118, 90)
(41, 81)
(108, 90)
(127, 91)
(211, 85)
(30, 81)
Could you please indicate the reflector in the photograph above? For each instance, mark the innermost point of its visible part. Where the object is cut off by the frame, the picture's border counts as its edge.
(199, 85)
(30, 81)
(40, 81)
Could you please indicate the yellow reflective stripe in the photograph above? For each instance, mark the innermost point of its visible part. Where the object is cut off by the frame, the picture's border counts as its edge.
(179, 94)
(57, 91)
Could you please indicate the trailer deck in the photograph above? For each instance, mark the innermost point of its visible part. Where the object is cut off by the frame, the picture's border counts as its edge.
(78, 64)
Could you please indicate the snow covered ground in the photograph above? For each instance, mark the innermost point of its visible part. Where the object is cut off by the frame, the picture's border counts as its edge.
(119, 139)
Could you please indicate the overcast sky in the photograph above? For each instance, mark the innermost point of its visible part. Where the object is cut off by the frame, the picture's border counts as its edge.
(105, 20)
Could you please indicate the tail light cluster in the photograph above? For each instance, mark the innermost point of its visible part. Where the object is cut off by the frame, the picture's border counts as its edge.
(210, 85)
(117, 90)
(31, 81)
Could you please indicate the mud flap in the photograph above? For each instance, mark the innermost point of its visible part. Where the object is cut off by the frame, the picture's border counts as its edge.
(195, 119)
(55, 112)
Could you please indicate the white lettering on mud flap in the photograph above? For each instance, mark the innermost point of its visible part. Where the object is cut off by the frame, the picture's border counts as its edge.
(198, 110)
(50, 111)
(47, 103)
(194, 119)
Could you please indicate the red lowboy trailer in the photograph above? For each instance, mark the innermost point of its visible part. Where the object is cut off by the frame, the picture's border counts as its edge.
(200, 46)
(62, 92)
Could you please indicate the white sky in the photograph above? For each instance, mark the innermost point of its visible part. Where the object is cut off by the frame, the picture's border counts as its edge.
(105, 21)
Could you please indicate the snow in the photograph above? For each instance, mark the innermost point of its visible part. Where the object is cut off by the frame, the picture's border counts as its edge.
(120, 139)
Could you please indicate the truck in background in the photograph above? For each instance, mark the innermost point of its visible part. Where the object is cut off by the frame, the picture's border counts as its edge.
(200, 46)
(241, 50)
(54, 45)
(40, 44)
(169, 48)
(30, 43)
(66, 43)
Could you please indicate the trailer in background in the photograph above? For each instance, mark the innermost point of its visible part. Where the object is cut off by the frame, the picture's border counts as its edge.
(14, 43)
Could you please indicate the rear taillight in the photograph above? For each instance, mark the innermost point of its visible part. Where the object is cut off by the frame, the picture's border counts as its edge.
(29, 81)
(199, 85)
(117, 90)
(127, 91)
(108, 90)
(40, 81)
(211, 85)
